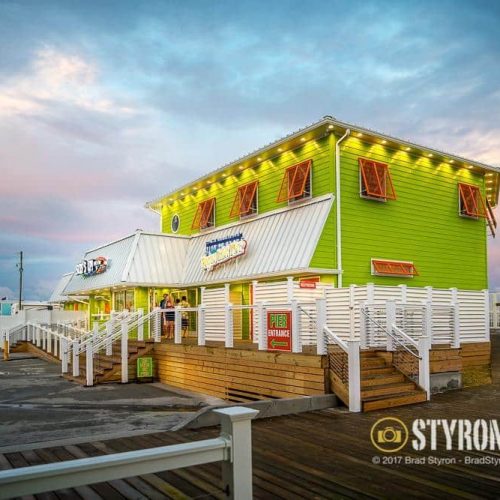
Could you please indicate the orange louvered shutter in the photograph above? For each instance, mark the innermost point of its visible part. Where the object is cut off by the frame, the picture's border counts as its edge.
(204, 214)
(394, 268)
(471, 201)
(376, 181)
(295, 181)
(244, 200)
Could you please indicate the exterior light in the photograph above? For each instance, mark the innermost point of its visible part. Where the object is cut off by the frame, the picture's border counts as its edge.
(408, 149)
(302, 139)
(384, 141)
(469, 166)
(209, 182)
(330, 126)
(259, 159)
(452, 161)
(182, 194)
(360, 134)
(224, 175)
(430, 155)
(279, 150)
(241, 167)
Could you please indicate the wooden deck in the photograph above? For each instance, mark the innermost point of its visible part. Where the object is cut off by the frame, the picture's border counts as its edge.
(317, 455)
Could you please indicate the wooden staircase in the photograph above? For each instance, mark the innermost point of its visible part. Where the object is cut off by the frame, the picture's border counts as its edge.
(383, 386)
(108, 368)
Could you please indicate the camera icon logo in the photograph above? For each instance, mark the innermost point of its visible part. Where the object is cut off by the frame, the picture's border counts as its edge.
(389, 434)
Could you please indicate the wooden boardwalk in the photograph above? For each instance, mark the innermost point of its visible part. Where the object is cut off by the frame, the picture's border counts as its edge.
(316, 455)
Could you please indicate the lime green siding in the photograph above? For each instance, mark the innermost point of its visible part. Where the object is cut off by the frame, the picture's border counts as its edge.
(269, 174)
(141, 299)
(422, 225)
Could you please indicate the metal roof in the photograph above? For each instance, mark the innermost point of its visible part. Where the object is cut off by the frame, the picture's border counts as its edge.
(58, 295)
(278, 241)
(319, 128)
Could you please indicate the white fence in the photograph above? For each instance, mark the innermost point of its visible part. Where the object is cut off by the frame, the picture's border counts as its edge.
(44, 316)
(233, 448)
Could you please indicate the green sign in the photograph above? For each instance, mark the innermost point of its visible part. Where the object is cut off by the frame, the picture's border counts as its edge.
(145, 368)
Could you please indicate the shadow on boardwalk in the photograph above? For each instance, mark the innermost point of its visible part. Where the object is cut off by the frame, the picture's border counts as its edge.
(317, 455)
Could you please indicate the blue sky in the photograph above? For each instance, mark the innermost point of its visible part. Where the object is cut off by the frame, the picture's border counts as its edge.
(105, 105)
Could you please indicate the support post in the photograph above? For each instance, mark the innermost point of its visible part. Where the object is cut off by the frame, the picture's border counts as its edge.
(289, 288)
(76, 358)
(64, 355)
(157, 324)
(89, 364)
(321, 347)
(44, 338)
(296, 340)
(352, 319)
(177, 326)
(236, 427)
(354, 366)
(48, 333)
(363, 337)
(427, 320)
(455, 311)
(38, 333)
(124, 352)
(390, 316)
(228, 321)
(424, 375)
(109, 337)
(201, 324)
(140, 325)
(261, 308)
(486, 315)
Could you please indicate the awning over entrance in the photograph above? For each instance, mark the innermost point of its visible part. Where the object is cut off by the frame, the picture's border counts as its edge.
(273, 243)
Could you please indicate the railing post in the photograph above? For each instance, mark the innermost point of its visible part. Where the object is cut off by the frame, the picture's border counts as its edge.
(56, 340)
(140, 325)
(363, 338)
(427, 320)
(44, 338)
(38, 333)
(354, 366)
(124, 352)
(228, 321)
(89, 363)
(486, 315)
(390, 316)
(177, 326)
(424, 375)
(109, 337)
(201, 324)
(352, 312)
(236, 427)
(157, 324)
(455, 310)
(76, 358)
(321, 348)
(296, 340)
(261, 308)
(64, 355)
(6, 346)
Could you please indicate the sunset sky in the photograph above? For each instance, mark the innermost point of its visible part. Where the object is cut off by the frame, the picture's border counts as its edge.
(105, 105)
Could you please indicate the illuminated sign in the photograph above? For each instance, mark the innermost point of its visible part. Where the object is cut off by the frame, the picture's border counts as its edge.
(91, 267)
(223, 250)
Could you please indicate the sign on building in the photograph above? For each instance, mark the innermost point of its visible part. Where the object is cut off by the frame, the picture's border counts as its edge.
(279, 330)
(90, 267)
(223, 250)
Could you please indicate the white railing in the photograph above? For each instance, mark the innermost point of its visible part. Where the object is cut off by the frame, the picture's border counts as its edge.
(233, 448)
(410, 355)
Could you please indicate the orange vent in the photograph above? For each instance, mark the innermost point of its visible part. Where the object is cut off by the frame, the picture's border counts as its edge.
(244, 200)
(376, 181)
(204, 215)
(394, 268)
(294, 183)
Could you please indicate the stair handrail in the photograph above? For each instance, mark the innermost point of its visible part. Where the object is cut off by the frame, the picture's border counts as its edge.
(137, 320)
(336, 339)
(391, 334)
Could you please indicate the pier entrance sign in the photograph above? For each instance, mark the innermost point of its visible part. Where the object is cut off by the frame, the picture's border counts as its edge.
(279, 330)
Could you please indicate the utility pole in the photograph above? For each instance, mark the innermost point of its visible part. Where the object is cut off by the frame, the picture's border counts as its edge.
(20, 267)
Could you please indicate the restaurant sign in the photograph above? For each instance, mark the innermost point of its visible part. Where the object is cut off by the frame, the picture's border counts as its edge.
(279, 330)
(221, 251)
(91, 267)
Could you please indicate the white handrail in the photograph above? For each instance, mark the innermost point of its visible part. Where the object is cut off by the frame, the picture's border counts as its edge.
(336, 339)
(233, 447)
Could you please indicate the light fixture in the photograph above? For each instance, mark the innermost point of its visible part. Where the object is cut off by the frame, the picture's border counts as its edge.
(259, 159)
(302, 139)
(452, 161)
(384, 141)
(469, 166)
(279, 150)
(182, 194)
(330, 126)
(224, 175)
(408, 149)
(360, 134)
(241, 167)
(430, 155)
(209, 182)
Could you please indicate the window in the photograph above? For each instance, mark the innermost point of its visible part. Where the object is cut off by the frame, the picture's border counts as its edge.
(375, 180)
(124, 300)
(471, 204)
(245, 201)
(205, 215)
(296, 183)
(393, 268)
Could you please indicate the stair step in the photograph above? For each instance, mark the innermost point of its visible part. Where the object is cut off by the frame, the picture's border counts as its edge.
(372, 362)
(379, 403)
(377, 371)
(385, 379)
(387, 390)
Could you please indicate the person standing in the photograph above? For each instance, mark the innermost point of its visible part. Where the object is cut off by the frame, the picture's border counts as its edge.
(185, 317)
(170, 317)
(163, 305)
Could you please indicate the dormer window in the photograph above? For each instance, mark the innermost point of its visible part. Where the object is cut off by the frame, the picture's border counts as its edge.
(296, 183)
(375, 180)
(205, 215)
(245, 201)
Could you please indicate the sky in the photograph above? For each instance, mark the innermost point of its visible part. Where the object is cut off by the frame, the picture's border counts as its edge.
(105, 105)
